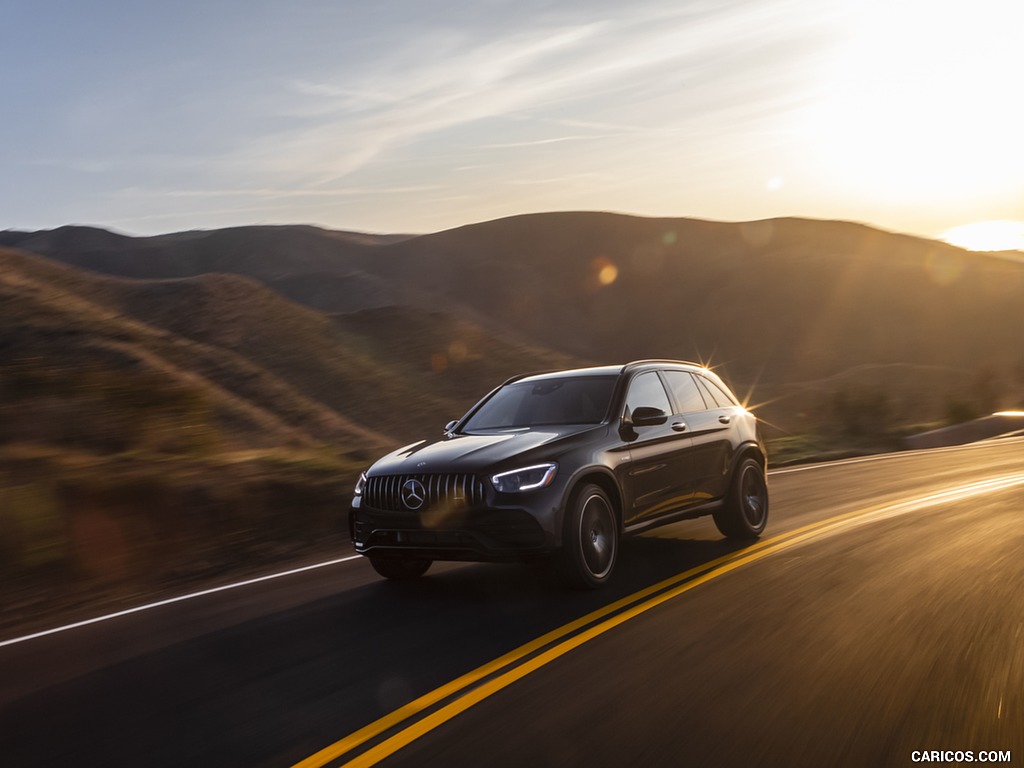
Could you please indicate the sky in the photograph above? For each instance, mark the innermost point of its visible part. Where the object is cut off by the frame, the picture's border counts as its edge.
(411, 116)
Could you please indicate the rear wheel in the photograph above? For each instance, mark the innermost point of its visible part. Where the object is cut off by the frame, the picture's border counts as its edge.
(744, 513)
(590, 539)
(400, 568)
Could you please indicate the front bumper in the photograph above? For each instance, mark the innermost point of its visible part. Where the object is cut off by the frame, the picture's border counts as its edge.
(496, 529)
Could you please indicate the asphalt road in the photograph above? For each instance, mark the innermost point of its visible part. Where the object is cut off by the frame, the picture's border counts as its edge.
(882, 614)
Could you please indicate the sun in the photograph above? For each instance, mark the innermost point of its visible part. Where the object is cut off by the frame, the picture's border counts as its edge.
(988, 236)
(922, 101)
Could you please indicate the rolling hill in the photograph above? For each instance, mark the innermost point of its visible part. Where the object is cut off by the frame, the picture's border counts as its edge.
(800, 312)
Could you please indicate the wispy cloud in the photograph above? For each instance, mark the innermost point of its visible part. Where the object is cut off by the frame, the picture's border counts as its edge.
(542, 142)
(361, 121)
(271, 192)
(461, 81)
(567, 178)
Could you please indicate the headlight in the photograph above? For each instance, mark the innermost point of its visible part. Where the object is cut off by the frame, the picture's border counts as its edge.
(525, 479)
(360, 484)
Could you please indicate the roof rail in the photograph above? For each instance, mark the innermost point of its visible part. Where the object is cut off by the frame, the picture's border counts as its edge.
(660, 361)
(519, 376)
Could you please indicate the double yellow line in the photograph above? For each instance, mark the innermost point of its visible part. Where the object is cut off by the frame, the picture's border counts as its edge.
(473, 687)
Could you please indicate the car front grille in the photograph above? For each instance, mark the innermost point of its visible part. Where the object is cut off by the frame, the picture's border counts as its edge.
(462, 490)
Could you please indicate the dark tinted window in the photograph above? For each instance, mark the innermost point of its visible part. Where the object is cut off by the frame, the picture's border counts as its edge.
(646, 389)
(563, 400)
(684, 390)
(721, 391)
(721, 398)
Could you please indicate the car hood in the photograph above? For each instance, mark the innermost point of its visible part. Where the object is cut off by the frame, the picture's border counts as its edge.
(471, 453)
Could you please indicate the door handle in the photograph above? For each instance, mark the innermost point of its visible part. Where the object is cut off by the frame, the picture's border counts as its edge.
(725, 419)
(679, 426)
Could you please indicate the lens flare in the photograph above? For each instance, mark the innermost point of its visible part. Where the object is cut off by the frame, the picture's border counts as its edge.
(603, 272)
(608, 274)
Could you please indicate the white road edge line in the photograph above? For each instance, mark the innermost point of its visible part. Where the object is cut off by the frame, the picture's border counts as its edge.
(178, 599)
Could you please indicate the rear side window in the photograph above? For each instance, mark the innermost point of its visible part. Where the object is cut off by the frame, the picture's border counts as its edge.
(720, 397)
(684, 390)
(646, 390)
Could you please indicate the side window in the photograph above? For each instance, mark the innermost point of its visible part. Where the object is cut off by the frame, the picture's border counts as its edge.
(684, 390)
(646, 389)
(715, 392)
(723, 392)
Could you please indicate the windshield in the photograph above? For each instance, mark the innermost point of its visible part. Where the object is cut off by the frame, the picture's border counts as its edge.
(555, 401)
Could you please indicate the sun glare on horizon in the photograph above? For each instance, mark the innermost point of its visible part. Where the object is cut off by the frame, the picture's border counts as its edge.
(988, 236)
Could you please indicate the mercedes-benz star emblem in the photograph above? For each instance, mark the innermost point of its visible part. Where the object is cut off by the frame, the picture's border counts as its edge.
(413, 494)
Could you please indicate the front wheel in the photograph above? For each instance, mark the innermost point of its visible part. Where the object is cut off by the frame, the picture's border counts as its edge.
(590, 539)
(744, 512)
(400, 568)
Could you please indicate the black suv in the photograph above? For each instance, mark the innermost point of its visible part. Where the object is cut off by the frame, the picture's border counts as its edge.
(563, 464)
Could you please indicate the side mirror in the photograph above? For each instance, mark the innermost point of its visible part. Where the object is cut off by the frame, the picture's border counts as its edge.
(450, 426)
(646, 416)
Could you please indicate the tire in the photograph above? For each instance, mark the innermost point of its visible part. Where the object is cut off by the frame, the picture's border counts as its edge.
(744, 512)
(590, 539)
(400, 568)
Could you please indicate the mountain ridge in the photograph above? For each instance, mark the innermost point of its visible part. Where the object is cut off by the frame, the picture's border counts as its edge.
(772, 302)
